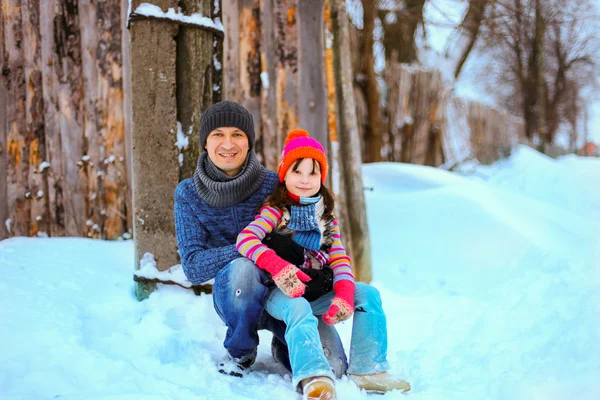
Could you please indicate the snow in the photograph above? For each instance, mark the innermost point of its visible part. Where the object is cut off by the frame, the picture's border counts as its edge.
(150, 10)
(148, 270)
(489, 278)
(44, 165)
(264, 78)
(182, 142)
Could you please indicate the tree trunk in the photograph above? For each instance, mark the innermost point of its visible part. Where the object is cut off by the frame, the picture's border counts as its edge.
(350, 144)
(373, 139)
(399, 31)
(466, 34)
(540, 105)
(194, 82)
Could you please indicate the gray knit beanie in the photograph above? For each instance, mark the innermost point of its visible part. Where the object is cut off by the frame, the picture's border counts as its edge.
(223, 114)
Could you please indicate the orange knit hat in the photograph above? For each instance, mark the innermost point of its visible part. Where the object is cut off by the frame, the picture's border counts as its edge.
(299, 144)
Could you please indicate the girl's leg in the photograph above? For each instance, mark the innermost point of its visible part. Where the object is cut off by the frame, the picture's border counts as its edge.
(302, 336)
(368, 348)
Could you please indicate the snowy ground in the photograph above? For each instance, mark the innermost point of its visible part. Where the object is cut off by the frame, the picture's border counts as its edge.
(490, 281)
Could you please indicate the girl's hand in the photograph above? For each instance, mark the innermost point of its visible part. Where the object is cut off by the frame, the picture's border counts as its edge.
(291, 281)
(289, 278)
(342, 305)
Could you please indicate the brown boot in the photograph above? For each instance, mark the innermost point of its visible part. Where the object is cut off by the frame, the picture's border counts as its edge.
(379, 383)
(318, 388)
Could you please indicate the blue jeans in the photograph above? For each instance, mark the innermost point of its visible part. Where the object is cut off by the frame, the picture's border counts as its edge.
(368, 347)
(239, 294)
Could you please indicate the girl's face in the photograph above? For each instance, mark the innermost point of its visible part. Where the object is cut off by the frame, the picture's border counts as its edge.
(304, 178)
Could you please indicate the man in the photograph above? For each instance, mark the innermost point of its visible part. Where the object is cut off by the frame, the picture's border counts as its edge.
(224, 195)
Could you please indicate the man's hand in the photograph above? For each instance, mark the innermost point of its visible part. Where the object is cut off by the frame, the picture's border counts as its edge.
(286, 248)
(321, 282)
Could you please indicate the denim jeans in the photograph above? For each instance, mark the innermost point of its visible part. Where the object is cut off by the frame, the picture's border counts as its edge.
(239, 294)
(368, 347)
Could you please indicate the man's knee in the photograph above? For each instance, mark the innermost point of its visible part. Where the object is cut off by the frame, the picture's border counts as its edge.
(240, 283)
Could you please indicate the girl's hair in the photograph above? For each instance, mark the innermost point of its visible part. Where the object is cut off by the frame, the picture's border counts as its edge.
(279, 198)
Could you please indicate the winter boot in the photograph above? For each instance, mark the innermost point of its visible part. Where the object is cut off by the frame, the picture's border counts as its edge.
(379, 383)
(237, 366)
(318, 388)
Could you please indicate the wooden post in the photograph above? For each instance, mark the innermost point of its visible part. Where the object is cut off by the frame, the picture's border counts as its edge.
(155, 156)
(350, 144)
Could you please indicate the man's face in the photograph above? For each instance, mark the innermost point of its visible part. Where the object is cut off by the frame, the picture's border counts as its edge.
(227, 148)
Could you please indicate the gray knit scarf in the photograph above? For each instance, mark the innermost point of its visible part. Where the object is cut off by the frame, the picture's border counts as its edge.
(220, 190)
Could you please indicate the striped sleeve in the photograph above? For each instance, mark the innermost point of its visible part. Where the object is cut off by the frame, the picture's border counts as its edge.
(339, 261)
(249, 241)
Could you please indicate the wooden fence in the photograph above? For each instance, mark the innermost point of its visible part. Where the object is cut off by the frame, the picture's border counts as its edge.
(62, 119)
(65, 108)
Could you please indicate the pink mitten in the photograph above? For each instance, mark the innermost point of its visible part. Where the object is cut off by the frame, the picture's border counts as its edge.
(287, 277)
(342, 305)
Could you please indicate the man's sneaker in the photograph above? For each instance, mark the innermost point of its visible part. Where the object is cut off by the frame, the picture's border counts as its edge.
(318, 388)
(237, 366)
(379, 383)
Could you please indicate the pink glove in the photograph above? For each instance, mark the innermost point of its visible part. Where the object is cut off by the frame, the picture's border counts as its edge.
(287, 277)
(342, 305)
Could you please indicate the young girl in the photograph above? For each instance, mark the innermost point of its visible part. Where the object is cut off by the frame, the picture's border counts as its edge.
(301, 207)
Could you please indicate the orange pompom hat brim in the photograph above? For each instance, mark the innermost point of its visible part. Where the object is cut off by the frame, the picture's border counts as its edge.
(298, 145)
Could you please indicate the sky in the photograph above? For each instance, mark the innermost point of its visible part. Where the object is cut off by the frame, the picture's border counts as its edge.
(489, 278)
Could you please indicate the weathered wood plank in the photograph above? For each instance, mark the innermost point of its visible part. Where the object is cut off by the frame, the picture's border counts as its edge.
(18, 194)
(103, 117)
(3, 132)
(34, 110)
(127, 113)
(231, 50)
(250, 65)
(286, 59)
(57, 192)
(155, 163)
(63, 94)
(269, 136)
(312, 95)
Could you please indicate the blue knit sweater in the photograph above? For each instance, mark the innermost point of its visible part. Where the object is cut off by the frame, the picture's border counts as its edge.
(206, 235)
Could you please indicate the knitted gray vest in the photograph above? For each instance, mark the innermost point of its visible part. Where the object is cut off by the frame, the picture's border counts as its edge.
(220, 190)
